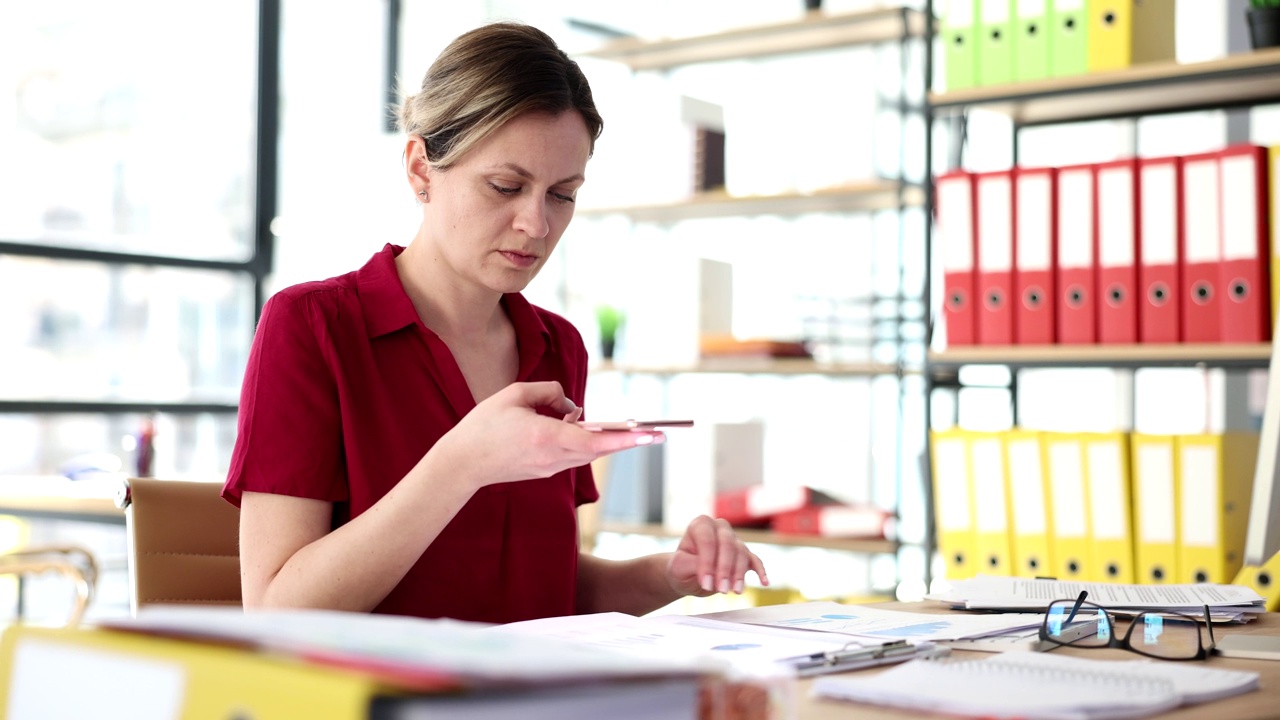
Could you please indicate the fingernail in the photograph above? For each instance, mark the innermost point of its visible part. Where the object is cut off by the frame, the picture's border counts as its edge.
(658, 439)
(707, 583)
(644, 440)
(737, 587)
(724, 585)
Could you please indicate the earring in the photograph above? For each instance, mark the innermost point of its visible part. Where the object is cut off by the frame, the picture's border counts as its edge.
(422, 194)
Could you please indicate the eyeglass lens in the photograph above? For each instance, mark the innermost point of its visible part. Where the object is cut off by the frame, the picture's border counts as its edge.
(1165, 636)
(1084, 626)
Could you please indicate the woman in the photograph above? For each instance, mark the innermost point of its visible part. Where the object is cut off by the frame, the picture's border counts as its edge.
(407, 440)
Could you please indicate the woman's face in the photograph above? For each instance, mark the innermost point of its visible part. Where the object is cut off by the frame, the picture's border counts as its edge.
(496, 215)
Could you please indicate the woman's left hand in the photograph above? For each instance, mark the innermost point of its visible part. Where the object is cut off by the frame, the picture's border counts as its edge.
(711, 559)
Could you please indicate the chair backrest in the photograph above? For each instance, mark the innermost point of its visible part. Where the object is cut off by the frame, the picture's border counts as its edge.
(183, 543)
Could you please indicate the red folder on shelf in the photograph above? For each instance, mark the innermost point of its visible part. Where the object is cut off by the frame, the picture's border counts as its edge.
(958, 237)
(1035, 243)
(1245, 302)
(1159, 243)
(1201, 248)
(1076, 273)
(846, 521)
(995, 257)
(1116, 194)
(756, 505)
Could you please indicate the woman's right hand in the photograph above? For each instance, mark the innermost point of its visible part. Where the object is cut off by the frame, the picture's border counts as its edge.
(505, 439)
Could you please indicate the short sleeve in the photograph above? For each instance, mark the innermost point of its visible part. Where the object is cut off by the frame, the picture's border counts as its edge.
(289, 429)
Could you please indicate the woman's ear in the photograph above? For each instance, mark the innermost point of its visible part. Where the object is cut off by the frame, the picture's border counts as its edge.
(417, 169)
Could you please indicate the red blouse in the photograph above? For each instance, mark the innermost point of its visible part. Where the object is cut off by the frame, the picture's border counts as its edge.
(346, 390)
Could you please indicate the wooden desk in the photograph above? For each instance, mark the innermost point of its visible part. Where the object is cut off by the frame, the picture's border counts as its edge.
(57, 498)
(1257, 705)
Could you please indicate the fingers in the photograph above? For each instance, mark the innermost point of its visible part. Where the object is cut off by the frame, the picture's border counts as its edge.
(548, 394)
(727, 547)
(722, 559)
(605, 443)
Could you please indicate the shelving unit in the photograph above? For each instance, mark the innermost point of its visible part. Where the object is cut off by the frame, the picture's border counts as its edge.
(1236, 81)
(815, 32)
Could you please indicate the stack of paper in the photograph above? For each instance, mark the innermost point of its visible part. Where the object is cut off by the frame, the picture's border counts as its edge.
(403, 648)
(1227, 603)
(874, 624)
(737, 647)
(1034, 685)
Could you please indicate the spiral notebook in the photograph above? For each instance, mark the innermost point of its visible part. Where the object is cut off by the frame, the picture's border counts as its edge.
(1037, 686)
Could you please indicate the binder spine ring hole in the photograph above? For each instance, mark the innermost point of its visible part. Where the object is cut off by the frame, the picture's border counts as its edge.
(1159, 294)
(956, 301)
(1264, 579)
(1157, 574)
(1239, 290)
(1115, 296)
(1070, 24)
(994, 300)
(1033, 298)
(1032, 29)
(1109, 19)
(1075, 297)
(1201, 293)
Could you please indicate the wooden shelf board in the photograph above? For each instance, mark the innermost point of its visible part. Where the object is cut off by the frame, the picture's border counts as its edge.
(1183, 355)
(865, 196)
(1240, 79)
(765, 537)
(815, 31)
(757, 366)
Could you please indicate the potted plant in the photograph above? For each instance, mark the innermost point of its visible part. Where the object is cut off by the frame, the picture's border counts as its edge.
(609, 320)
(1264, 23)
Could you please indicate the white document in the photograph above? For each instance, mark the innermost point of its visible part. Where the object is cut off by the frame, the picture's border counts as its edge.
(680, 637)
(875, 624)
(987, 591)
(1041, 686)
(412, 645)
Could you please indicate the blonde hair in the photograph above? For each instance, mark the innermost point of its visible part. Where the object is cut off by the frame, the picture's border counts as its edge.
(486, 77)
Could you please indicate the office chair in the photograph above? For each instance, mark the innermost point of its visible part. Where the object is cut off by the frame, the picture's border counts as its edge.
(183, 543)
(74, 563)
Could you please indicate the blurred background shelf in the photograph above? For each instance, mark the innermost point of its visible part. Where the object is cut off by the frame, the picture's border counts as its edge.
(816, 31)
(756, 366)
(860, 197)
(1112, 356)
(766, 537)
(1242, 79)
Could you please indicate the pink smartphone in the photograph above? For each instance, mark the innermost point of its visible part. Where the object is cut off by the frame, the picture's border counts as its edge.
(634, 425)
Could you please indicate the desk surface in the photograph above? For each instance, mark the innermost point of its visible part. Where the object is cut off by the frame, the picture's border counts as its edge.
(58, 498)
(1262, 703)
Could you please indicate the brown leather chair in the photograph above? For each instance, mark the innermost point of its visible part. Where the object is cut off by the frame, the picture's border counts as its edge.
(183, 543)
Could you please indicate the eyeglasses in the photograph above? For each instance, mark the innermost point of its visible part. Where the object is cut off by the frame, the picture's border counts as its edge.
(1167, 636)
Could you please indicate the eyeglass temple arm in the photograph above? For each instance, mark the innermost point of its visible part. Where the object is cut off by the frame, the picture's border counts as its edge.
(1079, 601)
(1208, 621)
